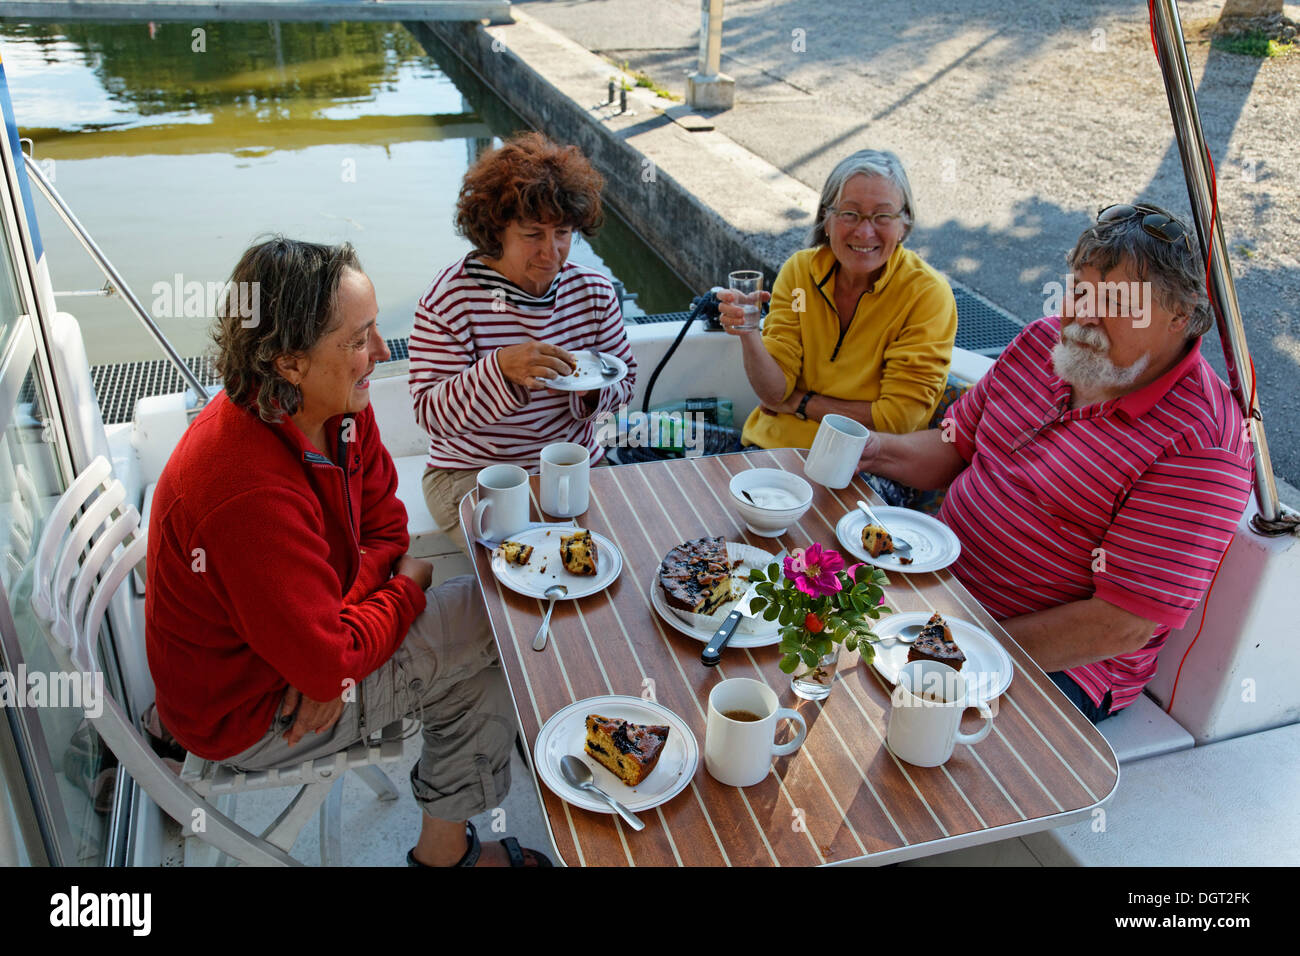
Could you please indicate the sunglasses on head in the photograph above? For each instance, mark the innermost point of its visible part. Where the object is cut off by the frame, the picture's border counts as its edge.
(1155, 221)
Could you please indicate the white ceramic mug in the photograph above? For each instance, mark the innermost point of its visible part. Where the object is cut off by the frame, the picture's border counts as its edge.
(502, 507)
(566, 479)
(928, 703)
(833, 458)
(739, 752)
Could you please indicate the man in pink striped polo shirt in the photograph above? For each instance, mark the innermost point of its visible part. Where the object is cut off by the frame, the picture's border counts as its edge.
(1096, 474)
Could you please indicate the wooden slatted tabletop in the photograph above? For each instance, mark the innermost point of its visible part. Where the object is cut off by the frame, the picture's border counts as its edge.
(842, 796)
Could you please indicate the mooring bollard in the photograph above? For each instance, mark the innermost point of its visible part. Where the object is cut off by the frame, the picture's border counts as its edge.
(622, 101)
(611, 92)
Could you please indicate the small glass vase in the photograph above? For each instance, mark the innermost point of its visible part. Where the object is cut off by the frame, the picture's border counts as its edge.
(814, 683)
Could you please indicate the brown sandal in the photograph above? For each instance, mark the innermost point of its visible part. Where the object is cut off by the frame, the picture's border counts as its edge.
(475, 848)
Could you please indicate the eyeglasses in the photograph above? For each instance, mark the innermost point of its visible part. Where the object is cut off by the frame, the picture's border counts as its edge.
(851, 218)
(1155, 221)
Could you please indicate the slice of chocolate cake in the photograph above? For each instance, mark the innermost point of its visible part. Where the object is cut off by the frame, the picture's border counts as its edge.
(696, 576)
(629, 750)
(936, 644)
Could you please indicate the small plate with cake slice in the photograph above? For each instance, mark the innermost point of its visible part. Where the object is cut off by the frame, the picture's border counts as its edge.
(639, 752)
(970, 649)
(934, 546)
(531, 561)
(698, 584)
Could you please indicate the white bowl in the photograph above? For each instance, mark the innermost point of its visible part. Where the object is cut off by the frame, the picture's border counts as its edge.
(762, 516)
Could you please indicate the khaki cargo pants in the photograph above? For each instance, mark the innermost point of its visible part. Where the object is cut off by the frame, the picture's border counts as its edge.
(443, 488)
(446, 674)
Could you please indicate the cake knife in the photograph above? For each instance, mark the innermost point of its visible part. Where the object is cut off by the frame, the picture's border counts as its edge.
(711, 656)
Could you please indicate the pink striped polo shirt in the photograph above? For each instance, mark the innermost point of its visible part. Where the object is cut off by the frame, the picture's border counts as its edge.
(474, 415)
(1133, 500)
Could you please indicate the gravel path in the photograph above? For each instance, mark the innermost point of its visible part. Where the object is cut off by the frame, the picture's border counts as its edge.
(1017, 120)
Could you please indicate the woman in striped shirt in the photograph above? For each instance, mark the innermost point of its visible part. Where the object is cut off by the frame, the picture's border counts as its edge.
(494, 326)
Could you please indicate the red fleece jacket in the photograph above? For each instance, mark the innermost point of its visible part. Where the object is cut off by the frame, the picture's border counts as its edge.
(267, 569)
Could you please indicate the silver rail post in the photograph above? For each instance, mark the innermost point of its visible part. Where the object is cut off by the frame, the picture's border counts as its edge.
(1227, 313)
(115, 278)
(708, 88)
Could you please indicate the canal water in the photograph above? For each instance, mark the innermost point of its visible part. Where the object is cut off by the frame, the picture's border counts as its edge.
(177, 149)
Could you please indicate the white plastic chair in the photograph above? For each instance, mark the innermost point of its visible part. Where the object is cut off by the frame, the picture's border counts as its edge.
(71, 603)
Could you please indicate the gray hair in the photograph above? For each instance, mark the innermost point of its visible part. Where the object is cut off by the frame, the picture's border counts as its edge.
(296, 284)
(865, 162)
(1176, 274)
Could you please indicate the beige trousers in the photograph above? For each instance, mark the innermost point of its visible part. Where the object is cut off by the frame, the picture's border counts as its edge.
(445, 674)
(443, 488)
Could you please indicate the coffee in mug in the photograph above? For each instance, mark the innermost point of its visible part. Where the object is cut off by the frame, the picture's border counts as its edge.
(738, 743)
(566, 479)
(928, 702)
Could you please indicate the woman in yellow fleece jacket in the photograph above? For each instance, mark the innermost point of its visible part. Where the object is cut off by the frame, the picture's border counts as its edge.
(859, 326)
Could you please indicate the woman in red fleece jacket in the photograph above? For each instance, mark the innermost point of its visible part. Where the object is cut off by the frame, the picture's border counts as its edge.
(284, 620)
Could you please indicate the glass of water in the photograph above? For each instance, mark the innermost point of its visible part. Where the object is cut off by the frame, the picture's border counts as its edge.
(748, 286)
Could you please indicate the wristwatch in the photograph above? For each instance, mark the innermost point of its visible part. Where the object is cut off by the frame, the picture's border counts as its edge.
(801, 412)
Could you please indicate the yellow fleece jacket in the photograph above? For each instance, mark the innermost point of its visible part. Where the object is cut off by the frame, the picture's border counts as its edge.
(895, 352)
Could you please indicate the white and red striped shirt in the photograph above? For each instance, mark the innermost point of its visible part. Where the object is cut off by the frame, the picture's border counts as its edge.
(1133, 500)
(474, 415)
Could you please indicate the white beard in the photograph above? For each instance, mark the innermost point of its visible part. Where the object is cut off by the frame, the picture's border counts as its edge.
(1081, 359)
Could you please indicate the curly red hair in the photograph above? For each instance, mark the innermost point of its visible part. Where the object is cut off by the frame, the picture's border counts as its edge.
(529, 179)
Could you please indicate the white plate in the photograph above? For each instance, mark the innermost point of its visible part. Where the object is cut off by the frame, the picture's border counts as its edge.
(988, 669)
(566, 733)
(934, 546)
(750, 632)
(588, 375)
(531, 581)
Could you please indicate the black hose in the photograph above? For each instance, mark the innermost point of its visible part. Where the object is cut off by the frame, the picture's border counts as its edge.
(706, 305)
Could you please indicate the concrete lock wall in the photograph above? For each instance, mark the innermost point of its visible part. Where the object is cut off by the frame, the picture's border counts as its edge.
(740, 212)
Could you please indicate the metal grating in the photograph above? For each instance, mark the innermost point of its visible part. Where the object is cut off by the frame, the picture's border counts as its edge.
(982, 328)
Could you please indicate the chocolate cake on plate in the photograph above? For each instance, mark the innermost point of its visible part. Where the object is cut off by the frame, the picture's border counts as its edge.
(696, 576)
(936, 644)
(629, 750)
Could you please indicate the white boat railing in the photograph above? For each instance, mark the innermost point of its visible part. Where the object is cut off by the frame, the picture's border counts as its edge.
(114, 278)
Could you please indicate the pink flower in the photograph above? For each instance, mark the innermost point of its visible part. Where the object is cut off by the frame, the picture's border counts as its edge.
(813, 570)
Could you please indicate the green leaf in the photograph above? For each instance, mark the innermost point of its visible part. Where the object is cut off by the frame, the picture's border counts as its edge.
(771, 613)
(789, 663)
(810, 657)
(756, 574)
(788, 615)
(757, 604)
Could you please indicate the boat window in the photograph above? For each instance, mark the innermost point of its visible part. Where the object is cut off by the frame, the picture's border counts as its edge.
(73, 779)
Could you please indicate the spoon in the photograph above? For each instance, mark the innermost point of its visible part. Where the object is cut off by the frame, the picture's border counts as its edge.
(554, 592)
(901, 547)
(606, 369)
(906, 635)
(578, 774)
